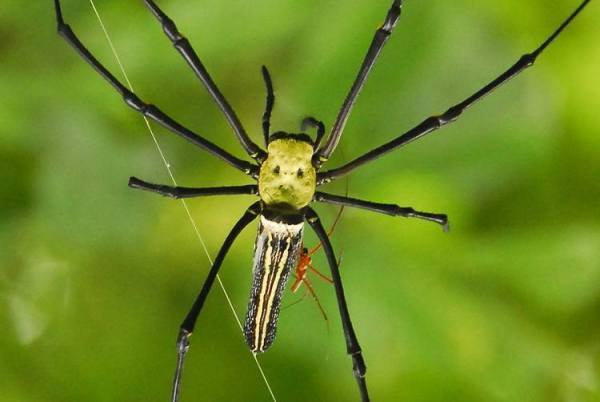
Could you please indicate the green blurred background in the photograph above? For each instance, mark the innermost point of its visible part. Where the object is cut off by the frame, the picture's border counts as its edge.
(95, 278)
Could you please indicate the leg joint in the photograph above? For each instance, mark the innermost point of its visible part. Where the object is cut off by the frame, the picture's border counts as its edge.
(452, 114)
(180, 41)
(358, 365)
(133, 101)
(392, 17)
(183, 341)
(64, 29)
(171, 30)
(527, 60)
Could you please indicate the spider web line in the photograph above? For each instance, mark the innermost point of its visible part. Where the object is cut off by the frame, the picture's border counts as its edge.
(183, 202)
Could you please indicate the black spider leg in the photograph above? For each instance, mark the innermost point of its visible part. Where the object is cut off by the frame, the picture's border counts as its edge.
(379, 40)
(352, 346)
(189, 192)
(388, 209)
(266, 119)
(434, 122)
(187, 326)
(312, 122)
(183, 46)
(146, 109)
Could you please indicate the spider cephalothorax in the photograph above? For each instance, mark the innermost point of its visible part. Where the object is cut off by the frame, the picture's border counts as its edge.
(287, 178)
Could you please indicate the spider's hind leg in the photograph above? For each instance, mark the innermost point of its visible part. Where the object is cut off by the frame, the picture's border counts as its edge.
(352, 346)
(188, 324)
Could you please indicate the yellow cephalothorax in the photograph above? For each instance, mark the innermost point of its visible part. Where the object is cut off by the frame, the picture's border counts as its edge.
(287, 177)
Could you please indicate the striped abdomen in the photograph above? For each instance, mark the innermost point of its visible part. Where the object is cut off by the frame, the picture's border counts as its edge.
(276, 252)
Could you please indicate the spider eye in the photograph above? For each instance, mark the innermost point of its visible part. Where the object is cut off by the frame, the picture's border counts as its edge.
(300, 173)
(276, 170)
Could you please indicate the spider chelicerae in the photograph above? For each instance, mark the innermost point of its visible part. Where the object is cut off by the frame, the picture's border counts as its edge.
(287, 174)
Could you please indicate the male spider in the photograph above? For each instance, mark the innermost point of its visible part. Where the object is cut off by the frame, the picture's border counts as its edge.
(287, 175)
(304, 265)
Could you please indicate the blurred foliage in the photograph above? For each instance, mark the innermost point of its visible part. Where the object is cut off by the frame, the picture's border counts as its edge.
(95, 277)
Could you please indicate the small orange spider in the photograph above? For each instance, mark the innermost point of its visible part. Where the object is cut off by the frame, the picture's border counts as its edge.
(305, 264)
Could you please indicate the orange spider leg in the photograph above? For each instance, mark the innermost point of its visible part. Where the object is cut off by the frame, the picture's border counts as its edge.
(314, 295)
(322, 276)
(313, 250)
(305, 263)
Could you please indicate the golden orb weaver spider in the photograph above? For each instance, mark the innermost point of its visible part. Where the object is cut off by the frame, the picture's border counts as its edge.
(287, 175)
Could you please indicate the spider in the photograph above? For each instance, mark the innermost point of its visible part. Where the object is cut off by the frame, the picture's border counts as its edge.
(287, 174)
(304, 265)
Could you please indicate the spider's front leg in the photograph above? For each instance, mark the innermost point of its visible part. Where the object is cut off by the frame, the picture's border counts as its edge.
(435, 122)
(147, 109)
(183, 46)
(379, 40)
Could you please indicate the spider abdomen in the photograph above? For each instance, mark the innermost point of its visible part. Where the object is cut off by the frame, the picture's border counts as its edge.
(277, 249)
